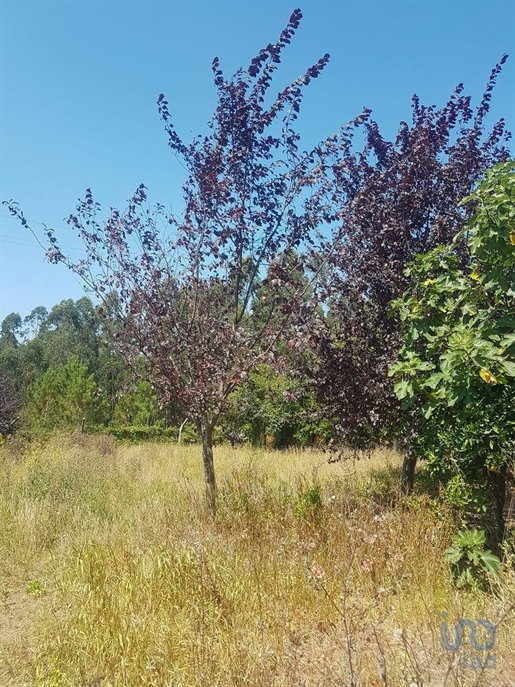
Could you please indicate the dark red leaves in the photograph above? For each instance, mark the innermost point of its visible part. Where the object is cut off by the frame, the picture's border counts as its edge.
(397, 199)
(295, 19)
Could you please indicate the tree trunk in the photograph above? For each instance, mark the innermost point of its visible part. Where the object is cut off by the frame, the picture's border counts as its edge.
(205, 430)
(408, 472)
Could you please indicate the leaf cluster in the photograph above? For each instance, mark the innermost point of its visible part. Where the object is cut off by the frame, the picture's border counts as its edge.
(469, 559)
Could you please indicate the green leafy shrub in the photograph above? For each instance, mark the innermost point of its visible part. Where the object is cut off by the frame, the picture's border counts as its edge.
(469, 559)
(278, 407)
(455, 374)
(137, 407)
(465, 497)
(309, 502)
(137, 434)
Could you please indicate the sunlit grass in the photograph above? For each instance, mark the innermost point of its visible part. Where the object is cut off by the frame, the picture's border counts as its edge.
(113, 574)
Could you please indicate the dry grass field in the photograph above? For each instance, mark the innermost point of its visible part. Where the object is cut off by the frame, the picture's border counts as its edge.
(113, 575)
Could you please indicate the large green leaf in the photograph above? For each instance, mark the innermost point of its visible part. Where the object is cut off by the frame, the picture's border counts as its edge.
(490, 562)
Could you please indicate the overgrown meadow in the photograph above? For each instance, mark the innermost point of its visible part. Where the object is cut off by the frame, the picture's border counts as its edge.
(113, 574)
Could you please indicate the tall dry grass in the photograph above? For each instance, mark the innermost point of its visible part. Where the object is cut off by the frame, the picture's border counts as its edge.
(112, 573)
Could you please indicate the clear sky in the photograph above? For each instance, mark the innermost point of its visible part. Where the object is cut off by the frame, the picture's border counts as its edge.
(79, 82)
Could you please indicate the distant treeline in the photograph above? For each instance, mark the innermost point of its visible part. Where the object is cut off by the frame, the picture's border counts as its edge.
(57, 373)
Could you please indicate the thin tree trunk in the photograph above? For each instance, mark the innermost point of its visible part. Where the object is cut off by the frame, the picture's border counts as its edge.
(408, 472)
(205, 429)
(180, 430)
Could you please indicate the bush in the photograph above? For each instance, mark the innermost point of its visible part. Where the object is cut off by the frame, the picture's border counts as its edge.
(139, 434)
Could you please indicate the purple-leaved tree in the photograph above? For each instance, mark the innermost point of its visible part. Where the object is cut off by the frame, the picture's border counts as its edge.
(181, 291)
(397, 199)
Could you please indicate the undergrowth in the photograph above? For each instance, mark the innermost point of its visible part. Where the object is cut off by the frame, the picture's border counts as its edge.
(310, 574)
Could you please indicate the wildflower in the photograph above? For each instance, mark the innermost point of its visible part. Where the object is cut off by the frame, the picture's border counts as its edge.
(367, 566)
(318, 572)
(399, 557)
(487, 376)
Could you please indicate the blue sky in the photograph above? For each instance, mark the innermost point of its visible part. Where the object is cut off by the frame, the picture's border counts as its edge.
(79, 83)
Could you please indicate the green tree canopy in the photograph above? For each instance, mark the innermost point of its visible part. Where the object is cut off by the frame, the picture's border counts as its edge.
(62, 397)
(456, 369)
